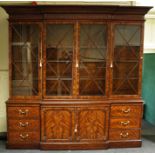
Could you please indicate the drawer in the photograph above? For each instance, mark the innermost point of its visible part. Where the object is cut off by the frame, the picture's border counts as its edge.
(126, 111)
(23, 112)
(23, 137)
(23, 125)
(124, 134)
(125, 123)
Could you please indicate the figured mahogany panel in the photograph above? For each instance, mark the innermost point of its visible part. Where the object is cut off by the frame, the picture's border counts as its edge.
(92, 124)
(56, 124)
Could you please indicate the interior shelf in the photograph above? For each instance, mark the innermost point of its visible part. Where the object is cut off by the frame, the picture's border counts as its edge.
(58, 78)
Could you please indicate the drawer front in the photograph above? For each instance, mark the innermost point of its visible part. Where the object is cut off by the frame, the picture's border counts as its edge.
(126, 111)
(23, 112)
(23, 137)
(124, 123)
(23, 125)
(124, 134)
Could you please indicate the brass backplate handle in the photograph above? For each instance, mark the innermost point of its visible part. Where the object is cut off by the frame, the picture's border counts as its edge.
(124, 135)
(23, 124)
(23, 112)
(24, 136)
(126, 110)
(125, 123)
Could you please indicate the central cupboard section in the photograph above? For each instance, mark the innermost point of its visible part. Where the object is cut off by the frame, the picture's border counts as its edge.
(74, 124)
(75, 59)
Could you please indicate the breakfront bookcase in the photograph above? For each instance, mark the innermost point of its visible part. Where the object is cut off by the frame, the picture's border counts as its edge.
(75, 76)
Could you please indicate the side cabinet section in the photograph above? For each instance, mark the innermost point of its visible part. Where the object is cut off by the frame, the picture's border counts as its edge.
(23, 126)
(57, 124)
(125, 124)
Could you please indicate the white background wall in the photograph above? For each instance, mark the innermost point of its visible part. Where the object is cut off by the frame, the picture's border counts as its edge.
(149, 35)
(149, 45)
(4, 88)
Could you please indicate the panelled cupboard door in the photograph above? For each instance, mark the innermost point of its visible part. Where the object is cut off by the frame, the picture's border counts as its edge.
(127, 52)
(57, 124)
(92, 124)
(25, 50)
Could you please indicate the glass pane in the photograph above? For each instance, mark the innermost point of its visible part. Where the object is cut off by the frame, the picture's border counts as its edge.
(126, 60)
(93, 47)
(25, 44)
(59, 52)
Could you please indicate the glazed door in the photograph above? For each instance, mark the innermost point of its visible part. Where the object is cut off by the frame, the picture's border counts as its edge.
(92, 59)
(92, 124)
(25, 45)
(58, 58)
(127, 59)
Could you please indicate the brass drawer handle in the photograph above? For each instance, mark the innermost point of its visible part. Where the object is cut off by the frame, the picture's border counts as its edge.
(125, 123)
(124, 135)
(24, 136)
(23, 112)
(126, 111)
(23, 124)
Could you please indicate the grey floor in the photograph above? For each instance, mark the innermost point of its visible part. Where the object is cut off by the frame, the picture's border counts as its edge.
(148, 145)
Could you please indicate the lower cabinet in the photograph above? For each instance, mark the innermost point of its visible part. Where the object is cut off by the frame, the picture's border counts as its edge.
(74, 124)
(57, 126)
